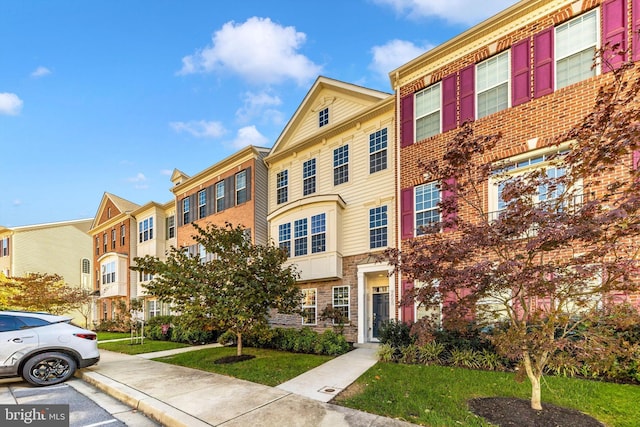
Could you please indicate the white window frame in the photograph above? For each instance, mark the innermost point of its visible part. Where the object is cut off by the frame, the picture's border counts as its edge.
(323, 117)
(318, 232)
(378, 220)
(284, 230)
(378, 143)
(341, 165)
(241, 184)
(145, 230)
(575, 49)
(492, 82)
(423, 113)
(341, 305)
(310, 303)
(202, 204)
(309, 171)
(435, 207)
(219, 196)
(282, 187)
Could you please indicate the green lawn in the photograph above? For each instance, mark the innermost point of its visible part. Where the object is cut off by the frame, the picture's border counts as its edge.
(148, 346)
(436, 395)
(103, 336)
(269, 367)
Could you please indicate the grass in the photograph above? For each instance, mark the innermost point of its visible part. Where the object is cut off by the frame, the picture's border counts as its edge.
(437, 395)
(269, 367)
(148, 346)
(102, 336)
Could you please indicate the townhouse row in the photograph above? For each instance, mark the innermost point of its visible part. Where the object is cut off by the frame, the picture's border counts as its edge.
(342, 182)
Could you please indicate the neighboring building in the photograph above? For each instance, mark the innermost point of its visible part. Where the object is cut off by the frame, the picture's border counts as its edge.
(233, 190)
(332, 201)
(155, 235)
(526, 72)
(62, 248)
(113, 252)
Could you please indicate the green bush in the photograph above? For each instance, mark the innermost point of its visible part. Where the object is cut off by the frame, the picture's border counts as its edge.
(430, 352)
(395, 333)
(386, 353)
(303, 340)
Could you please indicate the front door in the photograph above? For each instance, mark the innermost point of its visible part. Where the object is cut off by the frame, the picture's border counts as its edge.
(380, 312)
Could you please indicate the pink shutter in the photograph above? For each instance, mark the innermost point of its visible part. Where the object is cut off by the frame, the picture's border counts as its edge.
(406, 121)
(543, 69)
(409, 309)
(406, 213)
(635, 26)
(467, 93)
(614, 31)
(449, 103)
(521, 72)
(635, 160)
(450, 204)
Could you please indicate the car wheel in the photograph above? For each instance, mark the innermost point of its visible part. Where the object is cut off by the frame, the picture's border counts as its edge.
(48, 369)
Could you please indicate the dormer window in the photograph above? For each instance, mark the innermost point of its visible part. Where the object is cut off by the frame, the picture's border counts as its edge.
(323, 117)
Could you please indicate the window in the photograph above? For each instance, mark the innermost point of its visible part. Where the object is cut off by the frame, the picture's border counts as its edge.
(309, 177)
(300, 235)
(202, 253)
(220, 196)
(86, 266)
(145, 230)
(309, 306)
(202, 203)
(104, 242)
(341, 165)
(323, 117)
(428, 112)
(145, 277)
(171, 227)
(5, 246)
(427, 198)
(378, 227)
(109, 272)
(575, 44)
(492, 84)
(105, 312)
(122, 234)
(153, 308)
(318, 233)
(185, 210)
(97, 245)
(378, 151)
(284, 237)
(544, 193)
(241, 187)
(341, 300)
(282, 183)
(113, 238)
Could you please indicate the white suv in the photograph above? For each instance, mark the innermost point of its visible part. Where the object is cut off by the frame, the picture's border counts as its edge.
(43, 348)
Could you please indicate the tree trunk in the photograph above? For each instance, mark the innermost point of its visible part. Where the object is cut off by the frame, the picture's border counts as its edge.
(239, 348)
(534, 378)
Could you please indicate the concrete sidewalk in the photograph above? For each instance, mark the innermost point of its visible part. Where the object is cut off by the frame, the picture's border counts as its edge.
(185, 397)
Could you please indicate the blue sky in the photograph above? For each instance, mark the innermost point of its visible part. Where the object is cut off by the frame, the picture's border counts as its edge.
(113, 95)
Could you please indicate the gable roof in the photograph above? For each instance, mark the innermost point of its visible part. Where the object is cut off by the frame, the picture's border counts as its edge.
(361, 98)
(122, 205)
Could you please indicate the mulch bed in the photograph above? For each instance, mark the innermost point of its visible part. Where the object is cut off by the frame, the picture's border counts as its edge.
(512, 412)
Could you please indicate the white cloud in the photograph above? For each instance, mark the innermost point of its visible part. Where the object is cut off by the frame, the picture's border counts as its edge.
(40, 72)
(10, 104)
(249, 135)
(468, 12)
(166, 172)
(259, 50)
(258, 104)
(139, 181)
(17, 202)
(393, 54)
(199, 128)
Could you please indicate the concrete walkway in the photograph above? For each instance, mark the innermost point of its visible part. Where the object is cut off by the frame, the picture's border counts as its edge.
(185, 397)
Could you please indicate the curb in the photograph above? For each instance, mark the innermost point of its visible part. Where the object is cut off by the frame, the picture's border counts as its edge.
(167, 415)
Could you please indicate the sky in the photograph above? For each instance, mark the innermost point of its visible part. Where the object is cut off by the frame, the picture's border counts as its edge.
(112, 95)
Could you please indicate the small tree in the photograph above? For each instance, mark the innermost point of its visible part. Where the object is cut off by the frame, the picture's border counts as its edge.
(44, 292)
(235, 290)
(563, 246)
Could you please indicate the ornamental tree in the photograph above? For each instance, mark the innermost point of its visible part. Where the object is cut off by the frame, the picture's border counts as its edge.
(41, 292)
(560, 251)
(234, 288)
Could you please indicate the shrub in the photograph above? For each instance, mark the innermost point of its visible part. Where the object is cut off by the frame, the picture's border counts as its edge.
(464, 358)
(395, 333)
(385, 353)
(430, 352)
(331, 343)
(227, 338)
(409, 354)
